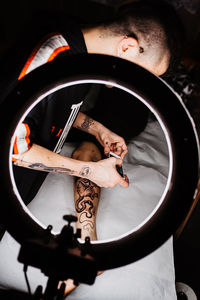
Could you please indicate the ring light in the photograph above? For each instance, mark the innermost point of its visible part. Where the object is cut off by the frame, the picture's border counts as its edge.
(173, 117)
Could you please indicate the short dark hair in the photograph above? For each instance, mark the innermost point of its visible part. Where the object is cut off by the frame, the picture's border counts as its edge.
(155, 22)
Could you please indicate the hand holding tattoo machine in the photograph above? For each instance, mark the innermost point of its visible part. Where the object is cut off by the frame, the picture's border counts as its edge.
(119, 168)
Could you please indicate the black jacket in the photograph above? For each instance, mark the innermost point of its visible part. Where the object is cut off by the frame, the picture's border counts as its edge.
(51, 119)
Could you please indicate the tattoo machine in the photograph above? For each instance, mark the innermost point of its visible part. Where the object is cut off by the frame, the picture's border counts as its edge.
(119, 169)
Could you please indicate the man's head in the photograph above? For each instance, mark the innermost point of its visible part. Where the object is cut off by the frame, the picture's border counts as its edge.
(145, 32)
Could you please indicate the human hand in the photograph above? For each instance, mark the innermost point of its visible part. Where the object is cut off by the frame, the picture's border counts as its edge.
(104, 173)
(112, 142)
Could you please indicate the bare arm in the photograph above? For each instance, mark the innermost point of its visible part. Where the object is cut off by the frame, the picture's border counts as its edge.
(108, 139)
(42, 159)
(103, 172)
(87, 124)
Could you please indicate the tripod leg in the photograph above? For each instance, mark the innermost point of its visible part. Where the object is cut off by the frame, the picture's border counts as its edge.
(61, 291)
(38, 293)
(51, 289)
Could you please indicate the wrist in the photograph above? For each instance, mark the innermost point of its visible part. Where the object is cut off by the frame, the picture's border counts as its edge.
(95, 128)
(99, 131)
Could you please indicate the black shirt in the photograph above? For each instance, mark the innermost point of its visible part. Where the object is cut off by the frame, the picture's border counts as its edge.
(51, 119)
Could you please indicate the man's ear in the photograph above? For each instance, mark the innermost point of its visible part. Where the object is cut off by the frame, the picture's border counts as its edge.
(127, 46)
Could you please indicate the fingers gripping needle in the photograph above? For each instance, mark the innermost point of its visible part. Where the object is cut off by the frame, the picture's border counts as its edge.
(119, 168)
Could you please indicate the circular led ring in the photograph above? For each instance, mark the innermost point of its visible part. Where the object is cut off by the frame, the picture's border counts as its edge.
(159, 98)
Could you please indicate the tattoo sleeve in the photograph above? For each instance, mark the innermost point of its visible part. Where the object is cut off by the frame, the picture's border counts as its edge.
(87, 192)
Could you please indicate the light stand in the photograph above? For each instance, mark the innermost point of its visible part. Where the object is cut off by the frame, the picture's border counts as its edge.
(59, 259)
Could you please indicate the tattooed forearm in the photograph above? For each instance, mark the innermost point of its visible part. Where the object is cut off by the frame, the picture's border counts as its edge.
(86, 123)
(44, 168)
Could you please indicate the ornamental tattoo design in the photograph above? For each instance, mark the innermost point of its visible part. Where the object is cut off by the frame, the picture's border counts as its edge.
(87, 192)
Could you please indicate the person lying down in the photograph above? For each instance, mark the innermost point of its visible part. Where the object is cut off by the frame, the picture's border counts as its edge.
(119, 211)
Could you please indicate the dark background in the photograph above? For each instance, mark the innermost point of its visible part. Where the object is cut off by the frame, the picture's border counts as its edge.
(14, 15)
(13, 18)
